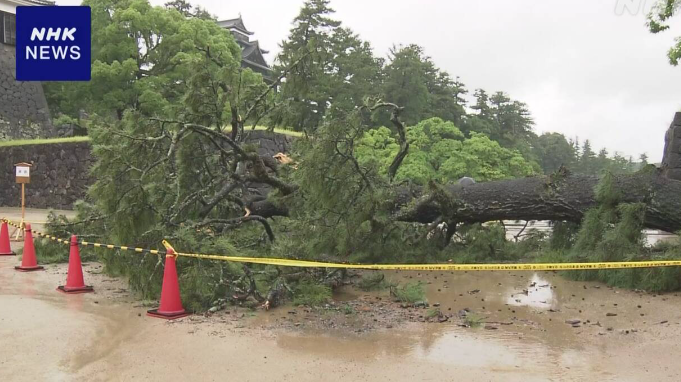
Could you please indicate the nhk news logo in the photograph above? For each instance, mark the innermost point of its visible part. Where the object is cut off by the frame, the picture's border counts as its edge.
(53, 43)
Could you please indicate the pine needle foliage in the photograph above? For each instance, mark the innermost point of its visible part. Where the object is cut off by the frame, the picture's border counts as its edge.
(613, 231)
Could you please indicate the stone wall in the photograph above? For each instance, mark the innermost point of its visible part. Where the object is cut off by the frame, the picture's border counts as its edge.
(59, 175)
(671, 161)
(269, 143)
(60, 172)
(23, 108)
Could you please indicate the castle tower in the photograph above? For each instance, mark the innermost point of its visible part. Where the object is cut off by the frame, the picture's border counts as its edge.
(251, 53)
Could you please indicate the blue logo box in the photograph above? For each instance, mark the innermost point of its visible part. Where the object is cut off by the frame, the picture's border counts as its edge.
(53, 43)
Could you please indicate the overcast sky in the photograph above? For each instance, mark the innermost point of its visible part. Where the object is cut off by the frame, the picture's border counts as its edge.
(586, 68)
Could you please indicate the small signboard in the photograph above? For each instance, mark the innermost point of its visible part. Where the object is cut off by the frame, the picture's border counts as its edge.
(23, 171)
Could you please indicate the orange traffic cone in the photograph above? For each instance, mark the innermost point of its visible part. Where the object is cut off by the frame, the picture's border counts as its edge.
(171, 303)
(5, 249)
(28, 262)
(74, 277)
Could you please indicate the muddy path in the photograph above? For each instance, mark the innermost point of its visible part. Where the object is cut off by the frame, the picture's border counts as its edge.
(523, 334)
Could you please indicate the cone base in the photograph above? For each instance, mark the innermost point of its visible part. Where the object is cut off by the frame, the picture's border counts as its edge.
(7, 254)
(167, 316)
(83, 289)
(30, 269)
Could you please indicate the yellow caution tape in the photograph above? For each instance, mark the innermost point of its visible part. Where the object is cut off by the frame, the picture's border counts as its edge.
(168, 246)
(402, 267)
(171, 251)
(441, 267)
(87, 243)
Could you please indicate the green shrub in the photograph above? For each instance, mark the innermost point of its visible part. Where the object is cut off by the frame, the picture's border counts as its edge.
(433, 312)
(473, 320)
(563, 235)
(373, 281)
(312, 294)
(410, 292)
(613, 232)
(198, 292)
(348, 309)
(52, 252)
(478, 243)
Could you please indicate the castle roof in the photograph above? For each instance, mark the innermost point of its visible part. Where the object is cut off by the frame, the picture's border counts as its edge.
(251, 52)
(237, 24)
(252, 47)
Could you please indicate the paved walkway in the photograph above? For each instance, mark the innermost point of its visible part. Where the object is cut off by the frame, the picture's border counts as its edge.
(37, 218)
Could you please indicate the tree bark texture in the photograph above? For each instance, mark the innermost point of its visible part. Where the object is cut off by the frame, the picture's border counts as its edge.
(536, 198)
(548, 198)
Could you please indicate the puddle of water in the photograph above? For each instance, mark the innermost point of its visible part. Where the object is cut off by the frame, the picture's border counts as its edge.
(86, 327)
(531, 341)
(538, 294)
(528, 313)
(444, 345)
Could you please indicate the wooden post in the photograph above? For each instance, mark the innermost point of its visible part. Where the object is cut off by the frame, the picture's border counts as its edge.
(23, 203)
(23, 174)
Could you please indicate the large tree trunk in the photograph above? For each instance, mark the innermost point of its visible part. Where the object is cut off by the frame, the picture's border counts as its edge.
(561, 196)
(549, 198)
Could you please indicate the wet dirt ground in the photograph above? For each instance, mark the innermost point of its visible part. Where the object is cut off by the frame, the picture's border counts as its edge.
(526, 330)
(523, 335)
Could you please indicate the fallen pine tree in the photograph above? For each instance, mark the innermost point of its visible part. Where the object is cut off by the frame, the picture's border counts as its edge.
(173, 162)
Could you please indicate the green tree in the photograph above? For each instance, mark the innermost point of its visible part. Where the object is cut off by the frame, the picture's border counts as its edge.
(482, 104)
(481, 121)
(141, 60)
(586, 160)
(644, 159)
(658, 21)
(553, 151)
(355, 72)
(444, 94)
(440, 152)
(512, 119)
(164, 86)
(504, 120)
(188, 10)
(458, 91)
(412, 80)
(577, 146)
(337, 69)
(405, 82)
(620, 164)
(602, 162)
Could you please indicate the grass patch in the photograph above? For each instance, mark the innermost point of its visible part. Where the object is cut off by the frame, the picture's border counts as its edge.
(311, 294)
(348, 310)
(373, 281)
(410, 292)
(433, 312)
(42, 141)
(276, 130)
(473, 320)
(48, 141)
